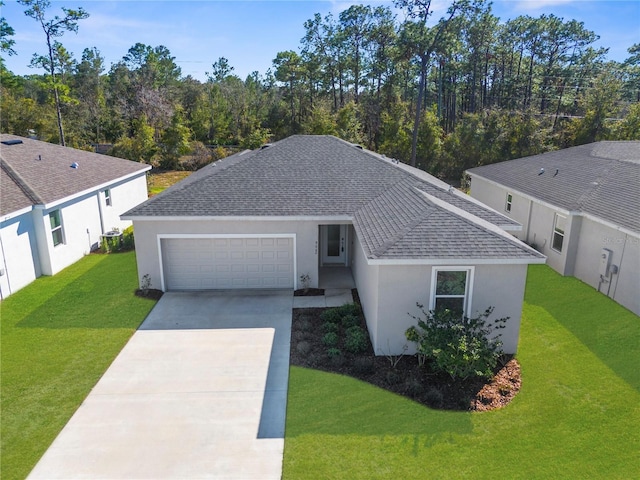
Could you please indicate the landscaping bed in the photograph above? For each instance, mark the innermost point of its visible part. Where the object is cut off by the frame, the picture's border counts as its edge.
(311, 347)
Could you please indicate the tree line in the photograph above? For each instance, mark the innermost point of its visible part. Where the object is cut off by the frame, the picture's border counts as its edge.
(444, 96)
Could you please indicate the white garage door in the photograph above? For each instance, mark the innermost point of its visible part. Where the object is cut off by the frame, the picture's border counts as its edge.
(227, 263)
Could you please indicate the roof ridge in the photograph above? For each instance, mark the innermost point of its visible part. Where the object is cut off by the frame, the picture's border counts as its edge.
(478, 222)
(20, 182)
(393, 239)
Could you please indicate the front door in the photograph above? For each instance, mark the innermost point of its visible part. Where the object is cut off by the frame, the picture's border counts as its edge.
(334, 244)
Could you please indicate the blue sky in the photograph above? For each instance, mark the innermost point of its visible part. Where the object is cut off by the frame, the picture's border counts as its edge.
(251, 33)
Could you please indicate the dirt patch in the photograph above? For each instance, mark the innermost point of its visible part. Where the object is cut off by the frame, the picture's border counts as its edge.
(401, 374)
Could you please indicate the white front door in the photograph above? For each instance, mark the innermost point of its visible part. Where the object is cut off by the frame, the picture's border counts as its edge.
(334, 244)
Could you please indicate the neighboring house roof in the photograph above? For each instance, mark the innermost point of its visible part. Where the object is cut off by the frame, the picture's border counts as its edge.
(398, 212)
(601, 179)
(40, 173)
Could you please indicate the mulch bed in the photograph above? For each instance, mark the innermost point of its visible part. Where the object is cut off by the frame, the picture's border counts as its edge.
(151, 293)
(402, 375)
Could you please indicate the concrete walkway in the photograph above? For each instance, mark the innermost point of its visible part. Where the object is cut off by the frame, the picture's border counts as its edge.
(198, 392)
(333, 297)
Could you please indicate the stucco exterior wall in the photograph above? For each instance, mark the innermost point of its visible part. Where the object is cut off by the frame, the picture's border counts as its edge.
(401, 287)
(365, 277)
(537, 220)
(18, 254)
(623, 287)
(124, 196)
(27, 242)
(147, 231)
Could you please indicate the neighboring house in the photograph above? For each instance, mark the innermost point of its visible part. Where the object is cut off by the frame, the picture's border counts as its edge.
(580, 207)
(309, 204)
(55, 203)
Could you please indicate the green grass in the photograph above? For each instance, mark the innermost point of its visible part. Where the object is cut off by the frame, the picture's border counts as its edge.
(577, 415)
(57, 337)
(160, 181)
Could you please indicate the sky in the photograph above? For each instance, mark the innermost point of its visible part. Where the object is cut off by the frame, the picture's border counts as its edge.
(251, 33)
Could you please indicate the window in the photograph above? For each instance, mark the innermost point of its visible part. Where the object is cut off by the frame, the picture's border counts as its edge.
(508, 204)
(451, 289)
(56, 228)
(558, 232)
(107, 197)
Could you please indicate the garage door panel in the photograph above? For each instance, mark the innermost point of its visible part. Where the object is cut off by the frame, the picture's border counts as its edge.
(225, 263)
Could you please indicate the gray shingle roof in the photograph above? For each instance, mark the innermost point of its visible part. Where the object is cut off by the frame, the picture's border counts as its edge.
(601, 179)
(323, 176)
(35, 172)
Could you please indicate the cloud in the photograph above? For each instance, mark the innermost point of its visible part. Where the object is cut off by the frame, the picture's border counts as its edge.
(530, 5)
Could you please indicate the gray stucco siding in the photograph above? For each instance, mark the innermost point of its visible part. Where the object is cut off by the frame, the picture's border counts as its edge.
(401, 287)
(366, 279)
(623, 287)
(148, 232)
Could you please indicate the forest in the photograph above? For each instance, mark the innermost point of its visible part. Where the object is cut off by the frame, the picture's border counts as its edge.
(466, 90)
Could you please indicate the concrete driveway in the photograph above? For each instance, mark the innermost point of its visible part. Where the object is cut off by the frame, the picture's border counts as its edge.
(198, 392)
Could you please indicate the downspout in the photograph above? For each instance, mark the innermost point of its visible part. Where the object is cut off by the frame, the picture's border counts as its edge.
(529, 222)
(624, 247)
(102, 227)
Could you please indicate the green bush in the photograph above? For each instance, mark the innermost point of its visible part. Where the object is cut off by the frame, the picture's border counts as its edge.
(331, 315)
(330, 327)
(349, 309)
(459, 346)
(356, 340)
(127, 239)
(330, 339)
(334, 352)
(350, 321)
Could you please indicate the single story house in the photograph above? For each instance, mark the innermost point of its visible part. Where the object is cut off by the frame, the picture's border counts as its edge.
(308, 204)
(55, 203)
(580, 207)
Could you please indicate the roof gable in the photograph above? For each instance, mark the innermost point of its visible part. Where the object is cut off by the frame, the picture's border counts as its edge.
(41, 172)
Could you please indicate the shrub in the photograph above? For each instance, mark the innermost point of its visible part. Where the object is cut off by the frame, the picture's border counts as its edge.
(305, 324)
(356, 340)
(330, 327)
(303, 347)
(330, 339)
(331, 315)
(434, 397)
(414, 387)
(127, 238)
(334, 352)
(349, 309)
(392, 377)
(350, 321)
(460, 346)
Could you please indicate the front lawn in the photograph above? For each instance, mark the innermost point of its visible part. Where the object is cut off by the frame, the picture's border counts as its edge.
(58, 336)
(577, 415)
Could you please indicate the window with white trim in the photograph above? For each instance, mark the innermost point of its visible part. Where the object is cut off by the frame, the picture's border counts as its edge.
(451, 289)
(507, 206)
(559, 223)
(56, 228)
(107, 197)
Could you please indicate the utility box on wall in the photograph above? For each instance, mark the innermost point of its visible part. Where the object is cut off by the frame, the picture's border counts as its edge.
(605, 262)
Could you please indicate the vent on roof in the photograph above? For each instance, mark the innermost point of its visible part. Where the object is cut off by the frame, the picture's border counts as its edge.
(74, 165)
(358, 146)
(266, 145)
(12, 142)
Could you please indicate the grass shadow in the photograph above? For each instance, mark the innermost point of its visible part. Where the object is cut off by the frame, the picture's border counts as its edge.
(91, 301)
(352, 400)
(608, 330)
